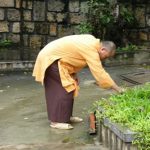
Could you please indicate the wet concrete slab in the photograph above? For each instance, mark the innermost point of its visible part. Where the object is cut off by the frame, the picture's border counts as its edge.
(23, 116)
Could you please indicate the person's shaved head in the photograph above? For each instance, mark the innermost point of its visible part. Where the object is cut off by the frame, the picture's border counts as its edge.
(109, 45)
(107, 49)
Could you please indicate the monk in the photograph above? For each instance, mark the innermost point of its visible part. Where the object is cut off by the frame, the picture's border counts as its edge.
(56, 67)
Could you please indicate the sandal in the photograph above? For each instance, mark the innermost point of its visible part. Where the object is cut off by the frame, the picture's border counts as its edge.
(64, 126)
(75, 119)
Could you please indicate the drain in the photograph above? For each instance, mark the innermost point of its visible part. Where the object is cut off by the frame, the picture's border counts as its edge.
(136, 78)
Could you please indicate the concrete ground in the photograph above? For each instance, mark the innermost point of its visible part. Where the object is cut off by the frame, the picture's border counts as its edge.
(23, 116)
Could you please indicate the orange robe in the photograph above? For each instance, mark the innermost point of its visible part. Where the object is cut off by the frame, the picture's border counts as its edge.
(74, 53)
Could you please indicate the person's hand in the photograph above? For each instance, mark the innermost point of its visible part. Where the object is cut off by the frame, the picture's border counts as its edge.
(118, 89)
(121, 90)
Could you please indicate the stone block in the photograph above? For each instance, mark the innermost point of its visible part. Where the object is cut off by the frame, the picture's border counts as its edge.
(76, 18)
(27, 15)
(113, 141)
(148, 20)
(29, 4)
(28, 27)
(51, 16)
(100, 131)
(64, 30)
(140, 16)
(119, 144)
(125, 146)
(143, 36)
(61, 17)
(35, 41)
(16, 27)
(25, 40)
(53, 29)
(7, 3)
(39, 11)
(18, 4)
(13, 15)
(133, 35)
(24, 3)
(1, 14)
(56, 5)
(133, 147)
(148, 9)
(42, 28)
(15, 38)
(51, 38)
(74, 6)
(4, 26)
(103, 135)
(84, 7)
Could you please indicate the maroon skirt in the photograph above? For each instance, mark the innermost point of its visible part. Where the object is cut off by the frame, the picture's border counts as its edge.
(59, 101)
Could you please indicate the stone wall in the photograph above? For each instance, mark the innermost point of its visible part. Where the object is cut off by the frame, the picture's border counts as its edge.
(141, 33)
(33, 23)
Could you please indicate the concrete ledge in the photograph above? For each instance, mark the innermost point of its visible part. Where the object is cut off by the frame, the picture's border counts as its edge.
(16, 65)
(115, 137)
(129, 58)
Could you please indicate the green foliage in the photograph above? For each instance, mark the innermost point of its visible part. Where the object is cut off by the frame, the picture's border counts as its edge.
(131, 109)
(104, 23)
(5, 43)
(130, 47)
(85, 28)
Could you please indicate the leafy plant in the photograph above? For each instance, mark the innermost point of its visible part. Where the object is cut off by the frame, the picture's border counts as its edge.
(131, 109)
(85, 28)
(108, 21)
(5, 43)
(130, 47)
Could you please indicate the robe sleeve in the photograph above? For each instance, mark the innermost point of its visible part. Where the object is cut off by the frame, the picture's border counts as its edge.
(102, 77)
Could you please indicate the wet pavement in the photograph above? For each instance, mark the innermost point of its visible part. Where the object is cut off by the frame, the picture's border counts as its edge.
(23, 116)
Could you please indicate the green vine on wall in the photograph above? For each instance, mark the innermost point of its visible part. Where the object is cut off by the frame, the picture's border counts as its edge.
(109, 21)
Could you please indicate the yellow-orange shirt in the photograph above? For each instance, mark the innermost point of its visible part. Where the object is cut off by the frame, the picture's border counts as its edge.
(74, 53)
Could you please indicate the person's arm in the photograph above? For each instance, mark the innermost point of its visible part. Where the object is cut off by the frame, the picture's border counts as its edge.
(117, 88)
(102, 77)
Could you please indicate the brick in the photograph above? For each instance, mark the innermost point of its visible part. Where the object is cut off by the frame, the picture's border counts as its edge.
(119, 144)
(42, 28)
(16, 27)
(84, 7)
(113, 141)
(18, 3)
(25, 40)
(56, 5)
(61, 17)
(7, 3)
(29, 4)
(64, 30)
(27, 15)
(24, 3)
(74, 6)
(76, 18)
(15, 38)
(51, 16)
(35, 41)
(13, 15)
(1, 14)
(28, 27)
(4, 26)
(143, 36)
(53, 29)
(148, 20)
(39, 11)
